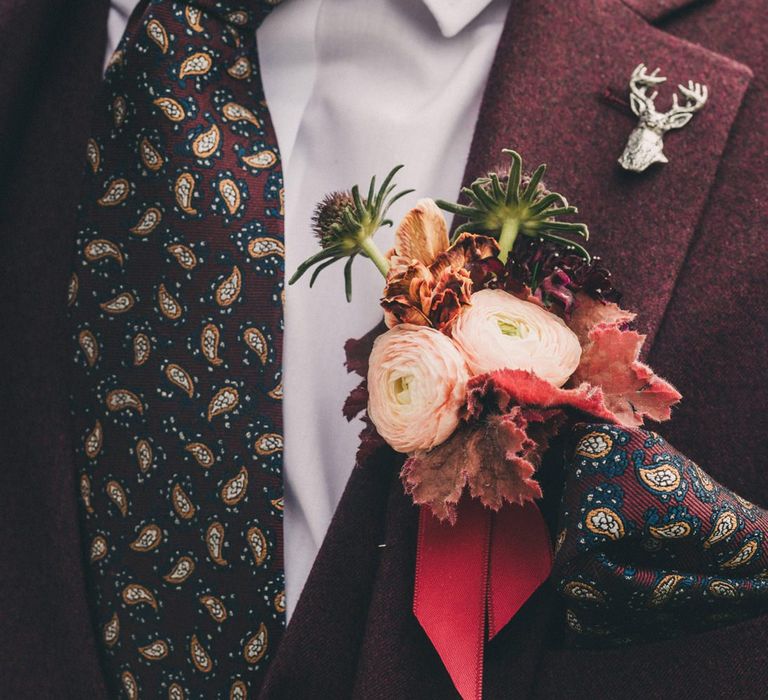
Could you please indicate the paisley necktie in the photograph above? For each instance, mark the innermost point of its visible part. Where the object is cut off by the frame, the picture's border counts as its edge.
(176, 310)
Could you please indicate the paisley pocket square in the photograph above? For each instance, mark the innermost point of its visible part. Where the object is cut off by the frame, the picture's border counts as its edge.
(650, 546)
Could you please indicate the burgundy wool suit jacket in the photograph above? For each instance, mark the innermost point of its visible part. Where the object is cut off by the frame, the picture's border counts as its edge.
(687, 243)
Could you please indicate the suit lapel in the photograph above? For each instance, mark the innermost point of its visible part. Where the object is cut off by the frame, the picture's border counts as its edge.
(546, 98)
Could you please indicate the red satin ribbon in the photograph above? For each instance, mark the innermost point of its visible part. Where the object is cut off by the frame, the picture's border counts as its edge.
(471, 579)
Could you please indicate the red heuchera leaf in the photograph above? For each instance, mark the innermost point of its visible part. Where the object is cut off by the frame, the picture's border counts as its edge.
(632, 390)
(496, 458)
(358, 350)
(502, 390)
(610, 360)
(356, 402)
(370, 444)
(589, 313)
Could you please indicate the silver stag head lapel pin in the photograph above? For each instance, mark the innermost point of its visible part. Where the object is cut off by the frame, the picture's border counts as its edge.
(645, 145)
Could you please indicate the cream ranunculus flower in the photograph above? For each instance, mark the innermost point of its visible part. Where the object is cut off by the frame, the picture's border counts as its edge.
(500, 331)
(416, 385)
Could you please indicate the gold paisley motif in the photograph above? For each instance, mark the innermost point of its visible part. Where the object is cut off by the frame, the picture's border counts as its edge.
(234, 490)
(169, 307)
(672, 531)
(73, 287)
(745, 554)
(706, 482)
(144, 455)
(279, 602)
(199, 655)
(663, 478)
(725, 525)
(111, 631)
(238, 691)
(156, 32)
(184, 255)
(85, 492)
(193, 17)
(115, 59)
(149, 538)
(122, 400)
(102, 248)
(225, 400)
(184, 189)
(256, 341)
(116, 193)
(99, 548)
(230, 193)
(278, 503)
(202, 453)
(594, 445)
(172, 109)
(214, 540)
(264, 247)
(281, 196)
(175, 692)
(261, 160)
(148, 222)
(604, 521)
(197, 64)
(277, 392)
(93, 154)
(241, 69)
(180, 571)
(118, 305)
(229, 290)
(268, 444)
(150, 156)
(136, 594)
(156, 651)
(209, 344)
(181, 378)
(747, 505)
(119, 110)
(238, 17)
(256, 646)
(258, 544)
(129, 685)
(722, 589)
(141, 349)
(205, 144)
(117, 495)
(237, 113)
(583, 591)
(664, 589)
(94, 441)
(215, 608)
(182, 504)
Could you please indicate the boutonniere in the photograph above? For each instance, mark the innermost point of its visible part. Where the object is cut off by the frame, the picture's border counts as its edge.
(497, 339)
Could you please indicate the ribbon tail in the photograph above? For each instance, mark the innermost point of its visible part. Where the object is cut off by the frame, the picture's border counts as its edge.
(520, 561)
(451, 590)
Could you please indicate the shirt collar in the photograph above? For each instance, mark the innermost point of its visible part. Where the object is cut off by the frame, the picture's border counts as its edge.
(453, 15)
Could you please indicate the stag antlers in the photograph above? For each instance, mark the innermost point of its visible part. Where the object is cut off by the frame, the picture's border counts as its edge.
(643, 104)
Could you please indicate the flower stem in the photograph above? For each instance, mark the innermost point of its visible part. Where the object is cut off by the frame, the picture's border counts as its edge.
(507, 238)
(369, 248)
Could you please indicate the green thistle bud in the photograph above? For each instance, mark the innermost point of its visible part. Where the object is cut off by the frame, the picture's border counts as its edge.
(507, 205)
(345, 224)
(328, 219)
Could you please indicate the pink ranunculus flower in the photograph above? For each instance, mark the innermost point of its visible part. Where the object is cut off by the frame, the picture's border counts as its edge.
(500, 331)
(416, 385)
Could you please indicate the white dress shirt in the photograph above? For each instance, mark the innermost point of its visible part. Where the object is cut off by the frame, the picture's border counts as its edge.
(354, 88)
